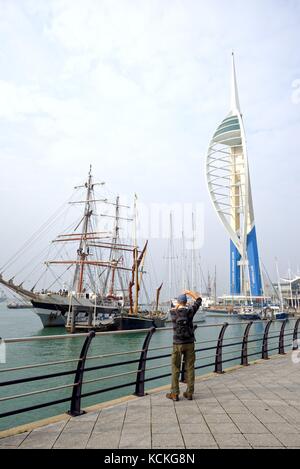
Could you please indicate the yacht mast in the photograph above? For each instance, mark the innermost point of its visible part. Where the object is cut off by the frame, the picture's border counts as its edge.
(193, 282)
(278, 283)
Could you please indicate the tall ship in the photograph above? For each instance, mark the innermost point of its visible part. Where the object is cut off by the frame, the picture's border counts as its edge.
(94, 277)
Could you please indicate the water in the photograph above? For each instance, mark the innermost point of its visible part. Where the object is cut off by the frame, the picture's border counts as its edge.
(24, 323)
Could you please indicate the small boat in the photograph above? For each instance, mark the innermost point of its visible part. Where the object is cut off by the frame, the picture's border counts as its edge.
(273, 312)
(248, 313)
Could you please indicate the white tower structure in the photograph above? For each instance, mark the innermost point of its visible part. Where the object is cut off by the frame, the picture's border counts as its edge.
(229, 186)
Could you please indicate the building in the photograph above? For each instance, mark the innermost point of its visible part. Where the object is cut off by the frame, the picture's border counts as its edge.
(229, 186)
(290, 290)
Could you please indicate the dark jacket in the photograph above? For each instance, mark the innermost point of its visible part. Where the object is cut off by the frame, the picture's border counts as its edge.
(184, 312)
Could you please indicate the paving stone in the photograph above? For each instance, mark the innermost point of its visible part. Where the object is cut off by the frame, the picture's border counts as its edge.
(135, 441)
(289, 440)
(262, 441)
(39, 440)
(88, 417)
(250, 427)
(203, 440)
(217, 418)
(194, 428)
(190, 419)
(217, 428)
(72, 440)
(14, 440)
(136, 428)
(269, 417)
(282, 428)
(231, 440)
(108, 426)
(164, 428)
(52, 427)
(167, 441)
(79, 426)
(236, 409)
(108, 440)
(243, 418)
(212, 410)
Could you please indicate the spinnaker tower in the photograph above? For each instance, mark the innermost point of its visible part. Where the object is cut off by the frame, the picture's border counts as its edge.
(229, 186)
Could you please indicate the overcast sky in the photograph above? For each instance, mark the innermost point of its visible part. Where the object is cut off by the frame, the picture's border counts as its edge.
(137, 88)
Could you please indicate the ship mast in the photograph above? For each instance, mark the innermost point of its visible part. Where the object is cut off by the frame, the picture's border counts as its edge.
(113, 251)
(135, 253)
(82, 254)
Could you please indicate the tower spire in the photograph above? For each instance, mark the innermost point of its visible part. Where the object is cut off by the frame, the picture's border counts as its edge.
(234, 99)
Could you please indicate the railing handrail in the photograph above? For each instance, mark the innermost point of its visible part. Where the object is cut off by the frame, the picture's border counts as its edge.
(217, 361)
(10, 340)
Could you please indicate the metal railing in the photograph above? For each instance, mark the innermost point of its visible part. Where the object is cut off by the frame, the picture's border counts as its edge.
(221, 355)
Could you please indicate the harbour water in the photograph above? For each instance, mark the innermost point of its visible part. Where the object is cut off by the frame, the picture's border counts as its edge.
(24, 323)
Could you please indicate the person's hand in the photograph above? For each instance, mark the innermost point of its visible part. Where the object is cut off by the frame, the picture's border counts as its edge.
(193, 294)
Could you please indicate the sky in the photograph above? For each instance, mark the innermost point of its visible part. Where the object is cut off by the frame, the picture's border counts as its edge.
(137, 88)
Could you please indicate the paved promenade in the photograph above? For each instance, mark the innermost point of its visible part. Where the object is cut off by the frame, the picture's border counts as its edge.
(252, 407)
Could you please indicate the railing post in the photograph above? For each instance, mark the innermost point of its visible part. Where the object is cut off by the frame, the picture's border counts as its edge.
(295, 335)
(75, 408)
(244, 357)
(264, 352)
(140, 377)
(218, 360)
(281, 338)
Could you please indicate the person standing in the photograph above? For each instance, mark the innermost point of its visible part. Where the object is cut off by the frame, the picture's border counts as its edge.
(184, 343)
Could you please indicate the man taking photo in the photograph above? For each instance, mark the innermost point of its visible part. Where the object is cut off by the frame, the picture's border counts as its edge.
(184, 343)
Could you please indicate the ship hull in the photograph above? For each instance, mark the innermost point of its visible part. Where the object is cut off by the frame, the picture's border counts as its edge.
(131, 322)
(219, 312)
(50, 317)
(55, 314)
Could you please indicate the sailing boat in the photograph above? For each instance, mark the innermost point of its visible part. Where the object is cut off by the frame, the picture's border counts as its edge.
(275, 311)
(98, 287)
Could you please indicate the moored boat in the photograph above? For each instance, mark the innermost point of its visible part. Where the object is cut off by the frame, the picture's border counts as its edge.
(274, 312)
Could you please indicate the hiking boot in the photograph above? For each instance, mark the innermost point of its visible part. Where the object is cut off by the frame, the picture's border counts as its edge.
(172, 396)
(188, 396)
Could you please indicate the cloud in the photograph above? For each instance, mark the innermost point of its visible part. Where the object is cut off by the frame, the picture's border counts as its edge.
(137, 89)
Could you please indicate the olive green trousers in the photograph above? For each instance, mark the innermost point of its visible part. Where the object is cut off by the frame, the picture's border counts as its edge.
(187, 351)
